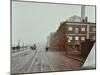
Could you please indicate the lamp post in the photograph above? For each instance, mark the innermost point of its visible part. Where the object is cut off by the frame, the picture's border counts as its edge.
(18, 47)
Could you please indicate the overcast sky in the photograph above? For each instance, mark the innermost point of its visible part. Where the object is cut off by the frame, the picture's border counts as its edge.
(33, 22)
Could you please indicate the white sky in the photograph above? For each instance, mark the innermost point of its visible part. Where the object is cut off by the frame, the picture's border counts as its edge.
(33, 22)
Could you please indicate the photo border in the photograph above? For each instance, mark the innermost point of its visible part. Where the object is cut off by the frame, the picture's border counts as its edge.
(58, 4)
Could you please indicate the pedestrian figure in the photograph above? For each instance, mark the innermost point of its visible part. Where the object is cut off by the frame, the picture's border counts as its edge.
(34, 46)
(46, 48)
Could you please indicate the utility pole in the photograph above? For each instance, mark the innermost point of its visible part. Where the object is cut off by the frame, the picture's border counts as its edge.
(23, 44)
(18, 42)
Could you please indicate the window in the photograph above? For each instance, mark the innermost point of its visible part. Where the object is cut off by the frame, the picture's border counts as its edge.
(70, 38)
(76, 30)
(76, 38)
(70, 29)
(82, 38)
(83, 29)
(94, 29)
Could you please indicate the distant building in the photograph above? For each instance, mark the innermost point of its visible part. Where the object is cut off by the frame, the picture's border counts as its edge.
(52, 40)
(48, 41)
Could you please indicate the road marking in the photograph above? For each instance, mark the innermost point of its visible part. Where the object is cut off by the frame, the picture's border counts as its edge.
(30, 66)
(41, 62)
(51, 67)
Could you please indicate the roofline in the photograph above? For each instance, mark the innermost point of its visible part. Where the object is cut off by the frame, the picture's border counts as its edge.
(79, 22)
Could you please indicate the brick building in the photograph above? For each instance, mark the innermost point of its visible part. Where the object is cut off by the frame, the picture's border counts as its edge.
(59, 39)
(55, 43)
(77, 32)
(72, 34)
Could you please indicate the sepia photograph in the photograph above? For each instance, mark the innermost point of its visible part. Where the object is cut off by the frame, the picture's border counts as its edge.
(52, 37)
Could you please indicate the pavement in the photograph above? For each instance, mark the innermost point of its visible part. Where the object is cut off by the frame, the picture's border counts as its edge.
(39, 60)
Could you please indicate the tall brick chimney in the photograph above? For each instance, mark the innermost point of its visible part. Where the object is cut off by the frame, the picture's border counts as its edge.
(83, 13)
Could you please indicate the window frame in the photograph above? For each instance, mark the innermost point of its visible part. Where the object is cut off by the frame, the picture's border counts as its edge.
(82, 38)
(76, 38)
(70, 28)
(83, 29)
